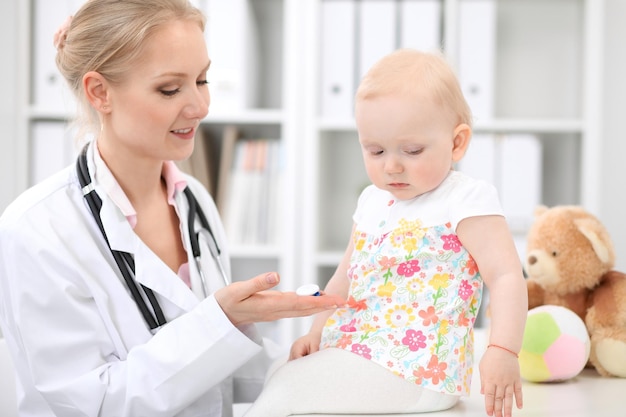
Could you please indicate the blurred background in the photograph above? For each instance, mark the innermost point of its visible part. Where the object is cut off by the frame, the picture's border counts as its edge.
(545, 80)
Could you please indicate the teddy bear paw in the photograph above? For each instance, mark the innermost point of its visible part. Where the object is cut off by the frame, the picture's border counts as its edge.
(611, 355)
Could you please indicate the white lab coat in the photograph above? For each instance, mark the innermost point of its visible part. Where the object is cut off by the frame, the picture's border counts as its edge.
(79, 343)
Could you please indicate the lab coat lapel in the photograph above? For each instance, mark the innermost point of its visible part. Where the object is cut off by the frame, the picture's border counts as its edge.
(152, 272)
(119, 232)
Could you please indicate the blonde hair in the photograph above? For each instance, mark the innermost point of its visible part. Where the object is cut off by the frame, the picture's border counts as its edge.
(409, 72)
(107, 36)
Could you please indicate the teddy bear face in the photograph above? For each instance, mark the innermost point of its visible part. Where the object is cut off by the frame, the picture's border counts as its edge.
(567, 250)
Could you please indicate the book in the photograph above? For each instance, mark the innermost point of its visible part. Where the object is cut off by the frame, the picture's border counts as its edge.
(230, 135)
(202, 163)
(251, 208)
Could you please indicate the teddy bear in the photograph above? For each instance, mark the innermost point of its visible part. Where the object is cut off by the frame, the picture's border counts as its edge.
(569, 262)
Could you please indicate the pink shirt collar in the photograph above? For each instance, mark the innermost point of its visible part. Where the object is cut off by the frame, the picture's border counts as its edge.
(174, 180)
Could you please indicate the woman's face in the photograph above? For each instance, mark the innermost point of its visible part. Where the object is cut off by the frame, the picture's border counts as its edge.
(156, 110)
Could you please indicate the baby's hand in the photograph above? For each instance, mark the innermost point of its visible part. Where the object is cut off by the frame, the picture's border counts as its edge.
(500, 381)
(304, 346)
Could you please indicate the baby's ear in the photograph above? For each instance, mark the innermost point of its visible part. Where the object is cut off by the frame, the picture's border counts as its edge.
(462, 136)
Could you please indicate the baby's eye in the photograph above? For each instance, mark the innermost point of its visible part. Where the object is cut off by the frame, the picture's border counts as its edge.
(414, 151)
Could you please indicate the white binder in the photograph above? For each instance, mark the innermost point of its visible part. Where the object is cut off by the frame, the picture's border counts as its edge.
(52, 149)
(337, 59)
(477, 51)
(377, 32)
(50, 91)
(231, 35)
(513, 164)
(420, 24)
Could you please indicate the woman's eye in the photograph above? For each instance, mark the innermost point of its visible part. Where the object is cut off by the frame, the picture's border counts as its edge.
(170, 93)
(200, 83)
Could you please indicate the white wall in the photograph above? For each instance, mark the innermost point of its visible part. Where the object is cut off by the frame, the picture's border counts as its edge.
(8, 103)
(613, 178)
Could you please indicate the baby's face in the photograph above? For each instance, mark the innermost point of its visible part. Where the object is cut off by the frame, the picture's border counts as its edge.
(407, 143)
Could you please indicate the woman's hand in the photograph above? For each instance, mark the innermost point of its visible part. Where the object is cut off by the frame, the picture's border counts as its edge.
(246, 302)
(500, 382)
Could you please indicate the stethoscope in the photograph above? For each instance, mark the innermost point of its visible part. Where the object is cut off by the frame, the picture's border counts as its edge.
(125, 261)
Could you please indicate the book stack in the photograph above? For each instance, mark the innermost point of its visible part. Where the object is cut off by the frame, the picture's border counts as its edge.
(250, 193)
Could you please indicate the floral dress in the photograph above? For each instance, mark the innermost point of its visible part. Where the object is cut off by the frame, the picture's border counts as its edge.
(414, 289)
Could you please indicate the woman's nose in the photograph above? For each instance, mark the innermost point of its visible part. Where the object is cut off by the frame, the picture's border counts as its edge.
(198, 105)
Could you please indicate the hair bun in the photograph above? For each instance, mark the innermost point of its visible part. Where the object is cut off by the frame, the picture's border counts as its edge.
(60, 36)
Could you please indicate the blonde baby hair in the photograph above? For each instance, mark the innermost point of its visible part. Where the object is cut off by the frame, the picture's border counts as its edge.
(409, 72)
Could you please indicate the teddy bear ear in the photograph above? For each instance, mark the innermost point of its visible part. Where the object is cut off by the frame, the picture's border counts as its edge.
(539, 210)
(599, 239)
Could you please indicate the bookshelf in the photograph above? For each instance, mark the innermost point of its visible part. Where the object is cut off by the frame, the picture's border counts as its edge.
(531, 44)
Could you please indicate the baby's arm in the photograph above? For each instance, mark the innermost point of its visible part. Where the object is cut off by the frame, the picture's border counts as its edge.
(338, 285)
(489, 241)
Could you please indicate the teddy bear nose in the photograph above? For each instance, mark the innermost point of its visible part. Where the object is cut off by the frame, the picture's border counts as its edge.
(532, 259)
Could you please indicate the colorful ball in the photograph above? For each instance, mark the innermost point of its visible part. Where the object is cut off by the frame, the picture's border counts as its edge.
(556, 345)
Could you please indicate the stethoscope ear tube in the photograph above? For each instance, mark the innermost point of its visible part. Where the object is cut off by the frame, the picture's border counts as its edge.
(194, 238)
(124, 260)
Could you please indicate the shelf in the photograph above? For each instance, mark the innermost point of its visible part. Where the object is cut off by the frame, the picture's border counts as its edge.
(253, 116)
(484, 126)
(529, 126)
(255, 252)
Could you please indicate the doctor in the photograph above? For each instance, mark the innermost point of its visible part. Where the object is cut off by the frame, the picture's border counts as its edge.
(80, 342)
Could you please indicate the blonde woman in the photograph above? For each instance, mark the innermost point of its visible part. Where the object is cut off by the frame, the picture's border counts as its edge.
(106, 308)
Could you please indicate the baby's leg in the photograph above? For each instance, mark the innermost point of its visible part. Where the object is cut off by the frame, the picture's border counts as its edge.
(333, 381)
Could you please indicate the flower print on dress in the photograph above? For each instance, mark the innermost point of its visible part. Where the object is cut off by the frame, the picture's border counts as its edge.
(359, 240)
(470, 266)
(386, 290)
(465, 290)
(399, 316)
(344, 341)
(387, 263)
(357, 305)
(436, 371)
(442, 340)
(414, 339)
(413, 287)
(439, 282)
(409, 268)
(451, 242)
(407, 234)
(429, 316)
(349, 328)
(362, 350)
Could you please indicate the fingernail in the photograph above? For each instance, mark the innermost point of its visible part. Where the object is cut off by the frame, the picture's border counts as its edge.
(271, 278)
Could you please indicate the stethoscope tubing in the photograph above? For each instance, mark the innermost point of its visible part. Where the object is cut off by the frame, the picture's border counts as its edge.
(125, 261)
